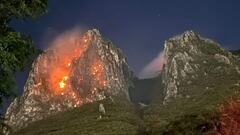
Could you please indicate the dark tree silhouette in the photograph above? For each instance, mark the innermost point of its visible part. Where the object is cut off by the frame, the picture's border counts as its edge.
(16, 49)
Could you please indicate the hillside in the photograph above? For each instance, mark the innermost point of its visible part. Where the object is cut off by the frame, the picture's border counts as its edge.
(192, 95)
(75, 70)
(120, 119)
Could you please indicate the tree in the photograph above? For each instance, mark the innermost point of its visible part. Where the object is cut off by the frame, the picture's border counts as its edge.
(16, 49)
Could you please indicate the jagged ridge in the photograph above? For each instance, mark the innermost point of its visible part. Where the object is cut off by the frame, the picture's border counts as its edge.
(198, 77)
(97, 70)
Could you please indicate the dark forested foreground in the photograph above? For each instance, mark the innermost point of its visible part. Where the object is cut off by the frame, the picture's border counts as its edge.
(16, 49)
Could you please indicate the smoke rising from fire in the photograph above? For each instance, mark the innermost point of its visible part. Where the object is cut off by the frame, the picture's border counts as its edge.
(72, 67)
(65, 48)
(154, 67)
(66, 42)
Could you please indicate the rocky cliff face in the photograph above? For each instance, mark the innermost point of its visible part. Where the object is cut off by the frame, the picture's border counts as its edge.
(61, 79)
(193, 61)
(197, 78)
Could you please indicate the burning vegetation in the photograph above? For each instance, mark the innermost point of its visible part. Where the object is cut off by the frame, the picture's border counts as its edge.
(66, 52)
(64, 76)
(229, 123)
(76, 69)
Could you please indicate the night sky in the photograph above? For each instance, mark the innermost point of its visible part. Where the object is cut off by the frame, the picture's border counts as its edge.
(138, 27)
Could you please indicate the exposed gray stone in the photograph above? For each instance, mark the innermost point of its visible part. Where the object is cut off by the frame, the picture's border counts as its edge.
(238, 70)
(38, 101)
(185, 56)
(222, 58)
(101, 109)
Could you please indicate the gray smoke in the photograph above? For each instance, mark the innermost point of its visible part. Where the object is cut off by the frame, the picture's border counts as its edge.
(154, 67)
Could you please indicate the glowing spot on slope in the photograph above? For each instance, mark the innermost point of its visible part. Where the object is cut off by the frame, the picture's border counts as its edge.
(62, 83)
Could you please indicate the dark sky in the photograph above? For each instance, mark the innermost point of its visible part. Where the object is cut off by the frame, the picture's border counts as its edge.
(138, 27)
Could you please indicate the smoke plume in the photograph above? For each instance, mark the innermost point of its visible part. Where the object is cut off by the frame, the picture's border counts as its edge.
(57, 65)
(154, 67)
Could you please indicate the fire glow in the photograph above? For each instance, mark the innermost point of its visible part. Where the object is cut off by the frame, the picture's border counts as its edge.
(97, 70)
(62, 84)
(65, 77)
(229, 121)
(67, 48)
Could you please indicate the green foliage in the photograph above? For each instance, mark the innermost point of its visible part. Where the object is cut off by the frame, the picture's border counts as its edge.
(19, 9)
(120, 119)
(16, 49)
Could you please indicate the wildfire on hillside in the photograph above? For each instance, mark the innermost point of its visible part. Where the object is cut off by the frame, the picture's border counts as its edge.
(229, 122)
(59, 67)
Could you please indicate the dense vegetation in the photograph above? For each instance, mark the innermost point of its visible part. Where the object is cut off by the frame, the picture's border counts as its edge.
(16, 48)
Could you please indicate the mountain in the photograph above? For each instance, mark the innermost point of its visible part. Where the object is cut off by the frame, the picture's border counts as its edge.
(196, 93)
(197, 78)
(189, 58)
(80, 70)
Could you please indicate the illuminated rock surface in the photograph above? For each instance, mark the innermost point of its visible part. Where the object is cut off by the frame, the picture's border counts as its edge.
(199, 76)
(88, 68)
(191, 59)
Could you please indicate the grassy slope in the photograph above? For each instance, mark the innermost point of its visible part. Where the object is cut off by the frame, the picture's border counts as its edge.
(120, 119)
(187, 116)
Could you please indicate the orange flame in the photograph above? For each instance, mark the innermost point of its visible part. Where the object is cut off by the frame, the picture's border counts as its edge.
(97, 72)
(61, 65)
(62, 83)
(60, 68)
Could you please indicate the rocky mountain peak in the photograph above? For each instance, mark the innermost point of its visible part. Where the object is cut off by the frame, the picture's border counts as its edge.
(75, 70)
(190, 35)
(187, 36)
(189, 58)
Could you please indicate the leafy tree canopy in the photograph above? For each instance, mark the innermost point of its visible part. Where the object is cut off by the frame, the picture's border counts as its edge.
(16, 48)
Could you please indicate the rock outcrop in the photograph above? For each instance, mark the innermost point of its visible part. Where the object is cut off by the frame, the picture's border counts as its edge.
(91, 70)
(197, 79)
(191, 59)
